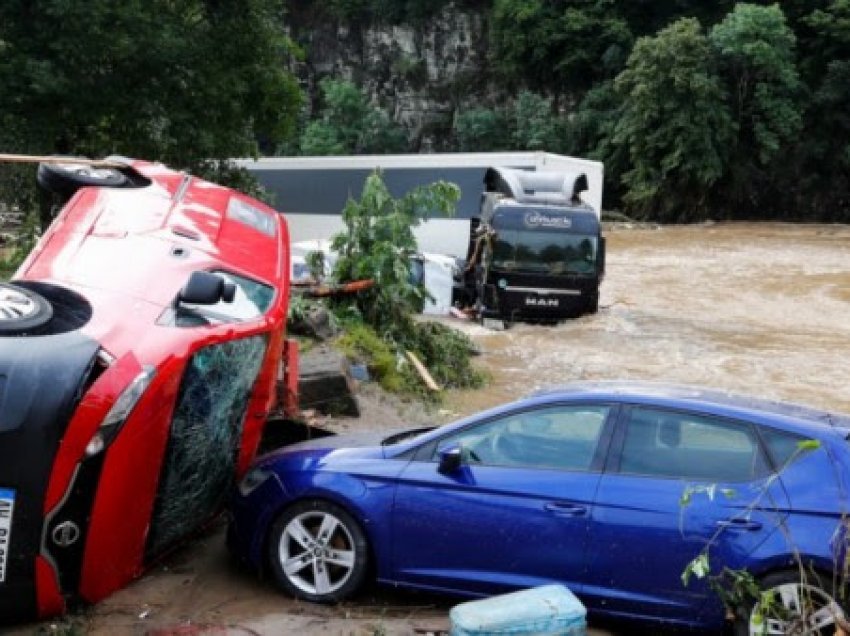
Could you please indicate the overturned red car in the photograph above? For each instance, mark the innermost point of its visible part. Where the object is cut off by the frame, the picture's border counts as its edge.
(140, 345)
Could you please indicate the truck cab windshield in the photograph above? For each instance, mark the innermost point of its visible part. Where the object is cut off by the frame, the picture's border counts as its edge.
(544, 252)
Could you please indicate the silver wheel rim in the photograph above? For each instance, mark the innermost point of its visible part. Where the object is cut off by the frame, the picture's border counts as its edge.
(316, 553)
(15, 305)
(802, 609)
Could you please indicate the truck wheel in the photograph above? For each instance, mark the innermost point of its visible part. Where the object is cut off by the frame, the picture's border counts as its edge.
(66, 178)
(21, 310)
(593, 304)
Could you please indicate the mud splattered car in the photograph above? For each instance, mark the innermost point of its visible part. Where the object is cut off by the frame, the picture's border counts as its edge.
(140, 344)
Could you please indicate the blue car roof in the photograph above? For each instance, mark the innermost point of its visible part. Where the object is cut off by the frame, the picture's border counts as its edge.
(695, 396)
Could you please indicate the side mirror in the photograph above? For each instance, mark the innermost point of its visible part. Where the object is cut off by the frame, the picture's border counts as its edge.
(451, 459)
(206, 288)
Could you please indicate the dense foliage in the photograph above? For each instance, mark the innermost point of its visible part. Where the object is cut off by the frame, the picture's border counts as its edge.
(186, 82)
(677, 146)
(347, 124)
(698, 109)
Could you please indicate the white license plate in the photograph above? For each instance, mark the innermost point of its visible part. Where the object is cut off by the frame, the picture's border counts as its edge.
(7, 509)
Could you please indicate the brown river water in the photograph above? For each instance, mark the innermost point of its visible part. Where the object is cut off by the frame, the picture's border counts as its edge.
(761, 309)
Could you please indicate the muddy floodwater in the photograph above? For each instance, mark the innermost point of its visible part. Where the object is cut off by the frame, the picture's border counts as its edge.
(761, 309)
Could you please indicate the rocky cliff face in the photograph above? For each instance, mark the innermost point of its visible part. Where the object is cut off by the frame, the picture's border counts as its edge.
(421, 74)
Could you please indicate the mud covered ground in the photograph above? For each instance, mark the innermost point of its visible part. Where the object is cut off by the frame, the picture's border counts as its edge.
(755, 308)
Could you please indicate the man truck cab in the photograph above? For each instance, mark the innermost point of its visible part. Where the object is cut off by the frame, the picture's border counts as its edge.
(536, 253)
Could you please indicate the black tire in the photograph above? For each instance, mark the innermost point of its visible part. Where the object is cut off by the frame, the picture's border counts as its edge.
(346, 543)
(815, 593)
(593, 304)
(66, 178)
(22, 310)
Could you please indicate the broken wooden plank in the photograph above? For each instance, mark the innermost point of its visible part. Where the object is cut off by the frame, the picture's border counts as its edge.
(423, 372)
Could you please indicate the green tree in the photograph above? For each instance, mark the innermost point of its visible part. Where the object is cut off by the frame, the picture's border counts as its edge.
(590, 133)
(559, 46)
(348, 124)
(482, 130)
(535, 127)
(756, 52)
(823, 172)
(675, 124)
(378, 243)
(646, 17)
(179, 81)
(527, 123)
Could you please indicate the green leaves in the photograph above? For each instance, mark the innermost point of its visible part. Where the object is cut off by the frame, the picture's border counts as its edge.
(699, 568)
(808, 444)
(675, 124)
(710, 491)
(528, 123)
(178, 81)
(347, 124)
(378, 243)
(559, 46)
(756, 52)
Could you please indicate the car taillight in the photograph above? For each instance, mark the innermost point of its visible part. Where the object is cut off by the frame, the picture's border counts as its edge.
(120, 411)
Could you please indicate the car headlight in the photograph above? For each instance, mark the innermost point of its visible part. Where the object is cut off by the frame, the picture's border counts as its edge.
(120, 411)
(255, 478)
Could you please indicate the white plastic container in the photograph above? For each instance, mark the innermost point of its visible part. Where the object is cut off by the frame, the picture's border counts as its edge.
(545, 610)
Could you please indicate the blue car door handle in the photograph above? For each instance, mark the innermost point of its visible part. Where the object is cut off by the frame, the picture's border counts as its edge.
(739, 524)
(565, 508)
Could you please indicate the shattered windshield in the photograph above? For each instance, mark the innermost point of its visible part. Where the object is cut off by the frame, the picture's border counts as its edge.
(206, 432)
(545, 252)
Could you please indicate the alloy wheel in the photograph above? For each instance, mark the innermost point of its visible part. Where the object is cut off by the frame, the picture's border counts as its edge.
(16, 305)
(797, 609)
(317, 553)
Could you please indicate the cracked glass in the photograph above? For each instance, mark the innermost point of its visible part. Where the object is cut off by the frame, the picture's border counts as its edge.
(206, 430)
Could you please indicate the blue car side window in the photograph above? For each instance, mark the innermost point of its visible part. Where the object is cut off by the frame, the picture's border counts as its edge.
(671, 444)
(782, 446)
(560, 437)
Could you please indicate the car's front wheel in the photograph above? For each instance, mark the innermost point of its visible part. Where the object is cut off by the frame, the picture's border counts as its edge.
(318, 552)
(796, 603)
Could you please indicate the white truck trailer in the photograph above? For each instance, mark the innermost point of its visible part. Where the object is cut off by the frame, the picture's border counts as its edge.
(312, 191)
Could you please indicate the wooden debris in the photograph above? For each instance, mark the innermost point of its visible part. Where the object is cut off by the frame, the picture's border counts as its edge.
(423, 372)
(319, 291)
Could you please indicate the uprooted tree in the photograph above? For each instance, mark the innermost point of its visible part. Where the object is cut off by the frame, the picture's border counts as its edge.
(379, 244)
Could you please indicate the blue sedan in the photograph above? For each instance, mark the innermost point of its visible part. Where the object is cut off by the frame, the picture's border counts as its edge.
(612, 489)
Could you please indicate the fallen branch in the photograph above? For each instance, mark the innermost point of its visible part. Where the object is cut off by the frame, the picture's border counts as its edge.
(423, 372)
(353, 287)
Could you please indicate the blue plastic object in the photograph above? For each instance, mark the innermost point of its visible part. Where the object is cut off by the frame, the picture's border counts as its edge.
(549, 609)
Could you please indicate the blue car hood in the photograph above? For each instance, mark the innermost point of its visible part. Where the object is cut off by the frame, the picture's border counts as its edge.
(359, 445)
